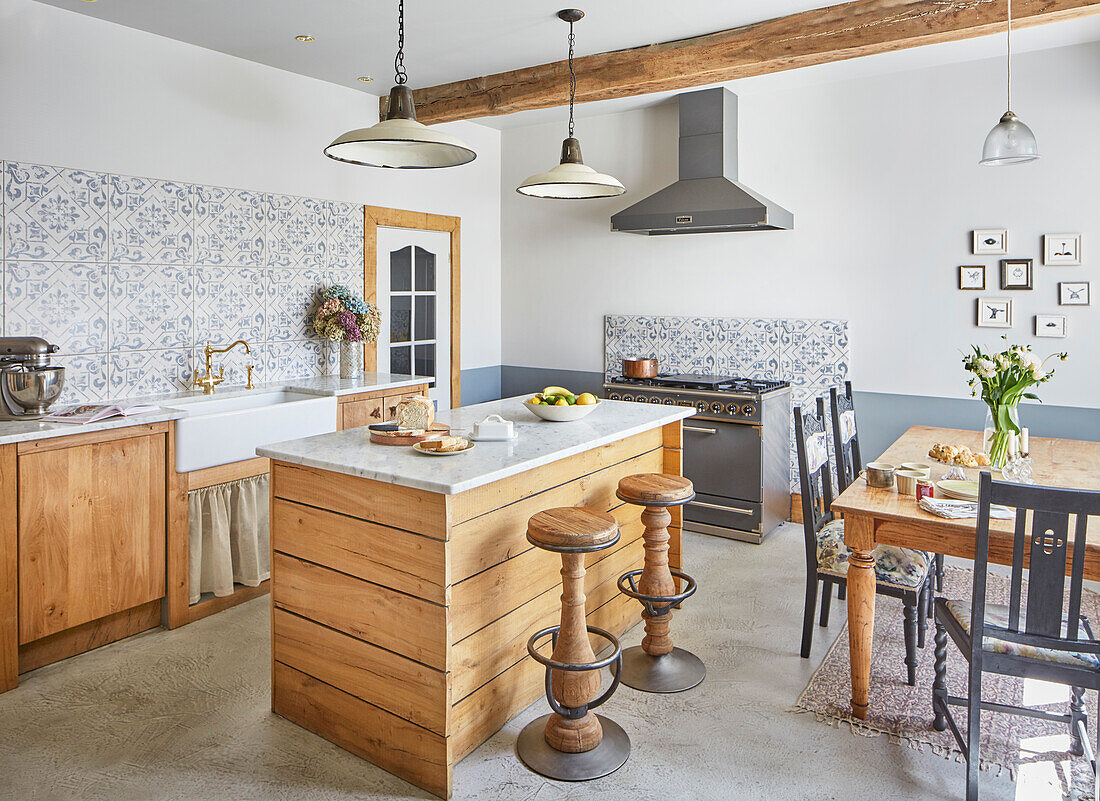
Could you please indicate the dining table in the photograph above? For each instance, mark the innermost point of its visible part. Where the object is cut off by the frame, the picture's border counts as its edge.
(883, 516)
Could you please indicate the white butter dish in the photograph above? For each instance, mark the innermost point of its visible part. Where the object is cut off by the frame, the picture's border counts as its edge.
(494, 427)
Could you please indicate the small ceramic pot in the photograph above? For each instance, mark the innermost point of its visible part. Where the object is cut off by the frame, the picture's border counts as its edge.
(879, 474)
(922, 468)
(907, 481)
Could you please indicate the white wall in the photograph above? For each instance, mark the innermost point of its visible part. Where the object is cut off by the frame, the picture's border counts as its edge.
(79, 92)
(882, 175)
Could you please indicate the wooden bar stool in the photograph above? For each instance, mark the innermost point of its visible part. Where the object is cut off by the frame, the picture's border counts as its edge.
(572, 743)
(656, 666)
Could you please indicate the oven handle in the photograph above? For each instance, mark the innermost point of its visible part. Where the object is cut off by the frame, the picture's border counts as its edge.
(701, 430)
(720, 508)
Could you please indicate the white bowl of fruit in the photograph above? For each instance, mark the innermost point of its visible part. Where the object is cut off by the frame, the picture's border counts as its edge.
(559, 405)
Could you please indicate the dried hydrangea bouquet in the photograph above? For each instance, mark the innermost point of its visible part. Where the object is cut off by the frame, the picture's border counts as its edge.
(348, 320)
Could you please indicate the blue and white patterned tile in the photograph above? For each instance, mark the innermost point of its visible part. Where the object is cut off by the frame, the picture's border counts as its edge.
(85, 378)
(748, 347)
(151, 307)
(235, 363)
(301, 359)
(229, 226)
(345, 236)
(54, 214)
(149, 372)
(292, 297)
(297, 232)
(152, 222)
(688, 345)
(63, 302)
(628, 336)
(230, 304)
(814, 353)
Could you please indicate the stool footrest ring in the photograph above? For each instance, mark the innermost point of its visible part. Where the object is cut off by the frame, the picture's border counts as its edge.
(657, 605)
(616, 659)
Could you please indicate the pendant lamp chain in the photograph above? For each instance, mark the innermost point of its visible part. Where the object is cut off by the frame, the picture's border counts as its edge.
(400, 76)
(572, 77)
(1009, 71)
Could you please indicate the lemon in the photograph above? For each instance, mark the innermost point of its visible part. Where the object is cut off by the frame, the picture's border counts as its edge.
(586, 399)
(562, 402)
(534, 400)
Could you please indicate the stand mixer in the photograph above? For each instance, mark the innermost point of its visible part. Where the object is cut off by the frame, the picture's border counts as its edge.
(29, 384)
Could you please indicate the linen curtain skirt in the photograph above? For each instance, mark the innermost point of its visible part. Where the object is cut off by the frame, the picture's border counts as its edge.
(229, 536)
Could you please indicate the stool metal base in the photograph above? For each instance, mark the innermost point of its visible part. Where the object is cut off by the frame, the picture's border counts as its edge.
(673, 672)
(607, 757)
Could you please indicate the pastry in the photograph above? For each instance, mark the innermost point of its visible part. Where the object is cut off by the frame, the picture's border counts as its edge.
(416, 413)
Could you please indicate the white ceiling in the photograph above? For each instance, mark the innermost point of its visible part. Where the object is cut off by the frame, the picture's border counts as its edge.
(445, 41)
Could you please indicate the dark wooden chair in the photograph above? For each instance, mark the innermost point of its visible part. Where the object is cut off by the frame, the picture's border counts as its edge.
(849, 461)
(899, 572)
(1042, 636)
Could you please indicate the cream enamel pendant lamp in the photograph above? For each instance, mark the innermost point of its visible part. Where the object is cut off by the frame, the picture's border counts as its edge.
(399, 141)
(572, 179)
(1010, 141)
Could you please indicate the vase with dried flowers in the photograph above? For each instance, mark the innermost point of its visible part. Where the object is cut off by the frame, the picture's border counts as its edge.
(344, 318)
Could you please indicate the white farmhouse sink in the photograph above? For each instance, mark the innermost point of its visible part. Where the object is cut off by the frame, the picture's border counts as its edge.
(222, 430)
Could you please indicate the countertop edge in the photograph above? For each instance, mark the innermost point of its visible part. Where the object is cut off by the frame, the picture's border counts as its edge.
(68, 429)
(272, 452)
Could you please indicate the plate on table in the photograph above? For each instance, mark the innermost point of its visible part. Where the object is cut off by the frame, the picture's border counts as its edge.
(419, 448)
(958, 490)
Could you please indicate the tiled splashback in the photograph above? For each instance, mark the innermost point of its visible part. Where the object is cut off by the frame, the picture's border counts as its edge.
(812, 355)
(132, 276)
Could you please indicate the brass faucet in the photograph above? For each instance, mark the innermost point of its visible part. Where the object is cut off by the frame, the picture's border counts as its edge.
(209, 380)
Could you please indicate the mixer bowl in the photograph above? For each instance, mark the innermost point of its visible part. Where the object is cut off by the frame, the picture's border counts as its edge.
(33, 390)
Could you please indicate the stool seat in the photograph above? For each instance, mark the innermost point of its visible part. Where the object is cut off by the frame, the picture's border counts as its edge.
(572, 529)
(655, 489)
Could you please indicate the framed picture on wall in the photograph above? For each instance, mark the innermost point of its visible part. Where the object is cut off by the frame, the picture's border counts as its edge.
(1050, 325)
(972, 276)
(1015, 273)
(989, 242)
(994, 313)
(1073, 293)
(1062, 249)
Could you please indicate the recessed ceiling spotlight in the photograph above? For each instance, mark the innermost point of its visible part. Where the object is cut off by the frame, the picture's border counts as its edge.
(304, 37)
(366, 78)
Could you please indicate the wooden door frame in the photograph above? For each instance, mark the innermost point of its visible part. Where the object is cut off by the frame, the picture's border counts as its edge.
(375, 216)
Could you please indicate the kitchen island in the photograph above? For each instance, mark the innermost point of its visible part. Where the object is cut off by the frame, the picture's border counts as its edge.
(403, 586)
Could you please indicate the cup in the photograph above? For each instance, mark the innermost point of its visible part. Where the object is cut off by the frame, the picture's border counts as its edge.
(920, 467)
(880, 474)
(907, 481)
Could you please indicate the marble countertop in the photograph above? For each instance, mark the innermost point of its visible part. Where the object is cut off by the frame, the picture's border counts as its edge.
(12, 431)
(538, 443)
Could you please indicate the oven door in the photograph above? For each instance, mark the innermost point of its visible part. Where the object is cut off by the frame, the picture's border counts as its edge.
(723, 459)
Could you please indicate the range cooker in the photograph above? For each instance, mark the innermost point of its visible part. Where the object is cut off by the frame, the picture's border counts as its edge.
(736, 448)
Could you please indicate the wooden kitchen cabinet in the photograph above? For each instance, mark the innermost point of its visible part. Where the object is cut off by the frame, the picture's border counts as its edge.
(356, 413)
(91, 528)
(368, 408)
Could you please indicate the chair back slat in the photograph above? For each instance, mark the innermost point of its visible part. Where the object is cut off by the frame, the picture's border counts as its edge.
(1047, 573)
(849, 461)
(1041, 538)
(816, 485)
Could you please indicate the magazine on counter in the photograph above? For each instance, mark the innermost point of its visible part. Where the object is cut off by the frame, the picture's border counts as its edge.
(93, 413)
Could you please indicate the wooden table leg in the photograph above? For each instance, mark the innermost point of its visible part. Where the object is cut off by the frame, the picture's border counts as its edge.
(574, 688)
(859, 536)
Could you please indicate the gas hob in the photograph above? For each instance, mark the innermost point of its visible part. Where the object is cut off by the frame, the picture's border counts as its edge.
(715, 397)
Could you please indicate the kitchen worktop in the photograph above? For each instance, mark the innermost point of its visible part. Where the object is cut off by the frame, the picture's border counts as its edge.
(538, 443)
(12, 431)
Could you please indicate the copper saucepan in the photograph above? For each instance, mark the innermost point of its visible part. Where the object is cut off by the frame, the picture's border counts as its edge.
(639, 368)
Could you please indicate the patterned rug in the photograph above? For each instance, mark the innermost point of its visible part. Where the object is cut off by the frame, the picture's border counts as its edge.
(1025, 747)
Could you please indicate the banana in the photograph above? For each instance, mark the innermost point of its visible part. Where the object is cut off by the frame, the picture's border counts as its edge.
(556, 391)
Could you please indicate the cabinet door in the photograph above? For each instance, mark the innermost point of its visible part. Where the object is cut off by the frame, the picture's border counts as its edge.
(360, 413)
(91, 532)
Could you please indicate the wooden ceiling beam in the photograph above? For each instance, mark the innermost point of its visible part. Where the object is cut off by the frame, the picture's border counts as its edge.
(834, 33)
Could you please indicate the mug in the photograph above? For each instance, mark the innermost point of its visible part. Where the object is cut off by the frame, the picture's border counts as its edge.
(880, 474)
(907, 481)
(920, 467)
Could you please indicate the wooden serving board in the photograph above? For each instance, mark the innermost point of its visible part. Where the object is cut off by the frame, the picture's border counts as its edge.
(401, 438)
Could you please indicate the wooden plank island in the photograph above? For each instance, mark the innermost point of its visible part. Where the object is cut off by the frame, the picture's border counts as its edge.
(404, 589)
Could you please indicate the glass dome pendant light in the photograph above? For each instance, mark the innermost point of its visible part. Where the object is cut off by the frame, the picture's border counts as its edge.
(400, 141)
(572, 179)
(1010, 141)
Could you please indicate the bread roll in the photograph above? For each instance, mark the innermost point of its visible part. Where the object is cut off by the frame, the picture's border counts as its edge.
(415, 413)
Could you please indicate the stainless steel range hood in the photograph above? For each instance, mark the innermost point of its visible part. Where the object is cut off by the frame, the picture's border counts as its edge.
(708, 197)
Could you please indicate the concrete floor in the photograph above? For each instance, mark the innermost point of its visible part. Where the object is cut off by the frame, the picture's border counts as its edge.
(185, 715)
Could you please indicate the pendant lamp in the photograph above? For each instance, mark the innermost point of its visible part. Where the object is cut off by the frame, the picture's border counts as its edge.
(400, 141)
(572, 179)
(1010, 141)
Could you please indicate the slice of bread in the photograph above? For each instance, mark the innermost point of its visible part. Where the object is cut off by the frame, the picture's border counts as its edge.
(445, 444)
(416, 413)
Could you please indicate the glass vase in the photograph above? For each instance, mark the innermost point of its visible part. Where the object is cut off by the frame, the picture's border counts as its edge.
(1002, 429)
(351, 359)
